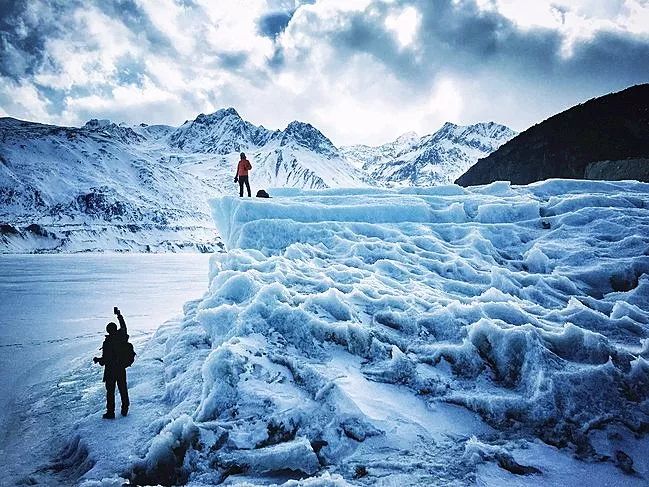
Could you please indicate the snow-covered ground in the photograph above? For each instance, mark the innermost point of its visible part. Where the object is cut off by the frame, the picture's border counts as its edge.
(53, 313)
(493, 335)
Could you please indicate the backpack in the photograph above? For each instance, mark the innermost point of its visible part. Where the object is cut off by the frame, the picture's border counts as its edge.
(126, 354)
(262, 194)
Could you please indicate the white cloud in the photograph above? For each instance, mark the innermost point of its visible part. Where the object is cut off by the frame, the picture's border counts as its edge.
(23, 101)
(130, 99)
(404, 25)
(583, 18)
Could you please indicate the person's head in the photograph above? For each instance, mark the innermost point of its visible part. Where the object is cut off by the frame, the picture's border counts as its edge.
(243, 156)
(111, 328)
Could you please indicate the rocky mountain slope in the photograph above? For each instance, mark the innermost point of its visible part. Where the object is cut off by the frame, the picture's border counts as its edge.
(604, 138)
(94, 188)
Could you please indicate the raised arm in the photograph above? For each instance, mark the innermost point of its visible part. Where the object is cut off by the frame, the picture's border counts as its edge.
(122, 323)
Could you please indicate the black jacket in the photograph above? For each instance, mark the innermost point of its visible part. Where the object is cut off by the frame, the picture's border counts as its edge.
(110, 357)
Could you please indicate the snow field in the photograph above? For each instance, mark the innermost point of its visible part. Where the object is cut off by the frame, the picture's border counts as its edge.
(427, 336)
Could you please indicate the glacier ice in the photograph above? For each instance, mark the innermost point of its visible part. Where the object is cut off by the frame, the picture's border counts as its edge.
(430, 335)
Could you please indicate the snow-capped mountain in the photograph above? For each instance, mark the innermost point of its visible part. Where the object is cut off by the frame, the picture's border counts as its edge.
(94, 188)
(108, 186)
(411, 160)
(222, 132)
(298, 157)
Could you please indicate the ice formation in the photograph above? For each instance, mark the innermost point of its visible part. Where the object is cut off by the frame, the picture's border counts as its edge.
(430, 336)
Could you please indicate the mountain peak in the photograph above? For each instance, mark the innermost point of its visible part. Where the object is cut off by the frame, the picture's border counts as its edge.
(407, 137)
(217, 116)
(449, 125)
(493, 130)
(106, 127)
(481, 130)
(98, 124)
(297, 126)
(307, 136)
(487, 125)
(449, 129)
(221, 132)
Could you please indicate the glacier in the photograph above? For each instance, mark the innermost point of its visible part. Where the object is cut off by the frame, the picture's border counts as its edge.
(496, 335)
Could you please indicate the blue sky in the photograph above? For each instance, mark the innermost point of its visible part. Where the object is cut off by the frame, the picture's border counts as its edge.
(362, 71)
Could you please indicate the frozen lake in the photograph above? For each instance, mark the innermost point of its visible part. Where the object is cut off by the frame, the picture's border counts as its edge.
(54, 308)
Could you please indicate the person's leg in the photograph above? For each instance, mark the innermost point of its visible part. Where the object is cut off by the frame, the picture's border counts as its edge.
(240, 186)
(110, 396)
(123, 391)
(247, 181)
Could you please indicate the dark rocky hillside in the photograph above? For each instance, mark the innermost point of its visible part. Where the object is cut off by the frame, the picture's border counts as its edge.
(604, 138)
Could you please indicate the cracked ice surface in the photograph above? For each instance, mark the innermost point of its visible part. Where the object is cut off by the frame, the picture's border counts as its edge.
(427, 336)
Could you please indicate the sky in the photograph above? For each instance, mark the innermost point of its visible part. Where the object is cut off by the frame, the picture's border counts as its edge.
(361, 71)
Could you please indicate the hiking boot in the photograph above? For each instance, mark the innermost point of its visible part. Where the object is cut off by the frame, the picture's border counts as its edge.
(109, 416)
(124, 411)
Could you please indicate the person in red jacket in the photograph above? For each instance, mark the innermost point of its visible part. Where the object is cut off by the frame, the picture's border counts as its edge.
(242, 174)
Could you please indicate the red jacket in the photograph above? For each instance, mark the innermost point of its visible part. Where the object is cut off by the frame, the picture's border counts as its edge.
(243, 167)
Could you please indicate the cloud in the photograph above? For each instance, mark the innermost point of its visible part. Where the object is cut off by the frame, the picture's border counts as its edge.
(361, 71)
(489, 58)
(137, 21)
(274, 23)
(25, 28)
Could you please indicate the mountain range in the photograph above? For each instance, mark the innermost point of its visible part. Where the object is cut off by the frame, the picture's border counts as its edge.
(438, 158)
(108, 186)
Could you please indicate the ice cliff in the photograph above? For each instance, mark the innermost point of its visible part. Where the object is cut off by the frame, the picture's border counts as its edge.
(424, 336)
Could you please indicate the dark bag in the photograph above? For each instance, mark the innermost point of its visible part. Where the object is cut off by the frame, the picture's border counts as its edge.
(262, 194)
(126, 354)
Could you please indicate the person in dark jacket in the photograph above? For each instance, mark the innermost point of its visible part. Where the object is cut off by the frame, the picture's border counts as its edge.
(114, 369)
(242, 174)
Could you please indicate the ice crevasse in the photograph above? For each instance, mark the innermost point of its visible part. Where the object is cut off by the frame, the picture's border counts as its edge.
(336, 317)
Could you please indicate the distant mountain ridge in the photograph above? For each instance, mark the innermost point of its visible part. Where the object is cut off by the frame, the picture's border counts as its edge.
(603, 138)
(438, 158)
(108, 186)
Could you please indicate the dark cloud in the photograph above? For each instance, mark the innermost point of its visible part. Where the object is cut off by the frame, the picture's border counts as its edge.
(130, 70)
(609, 57)
(459, 37)
(137, 21)
(279, 15)
(54, 97)
(25, 28)
(276, 61)
(233, 61)
(274, 23)
(455, 35)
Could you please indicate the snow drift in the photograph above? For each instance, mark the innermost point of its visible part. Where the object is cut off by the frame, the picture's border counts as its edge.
(423, 334)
